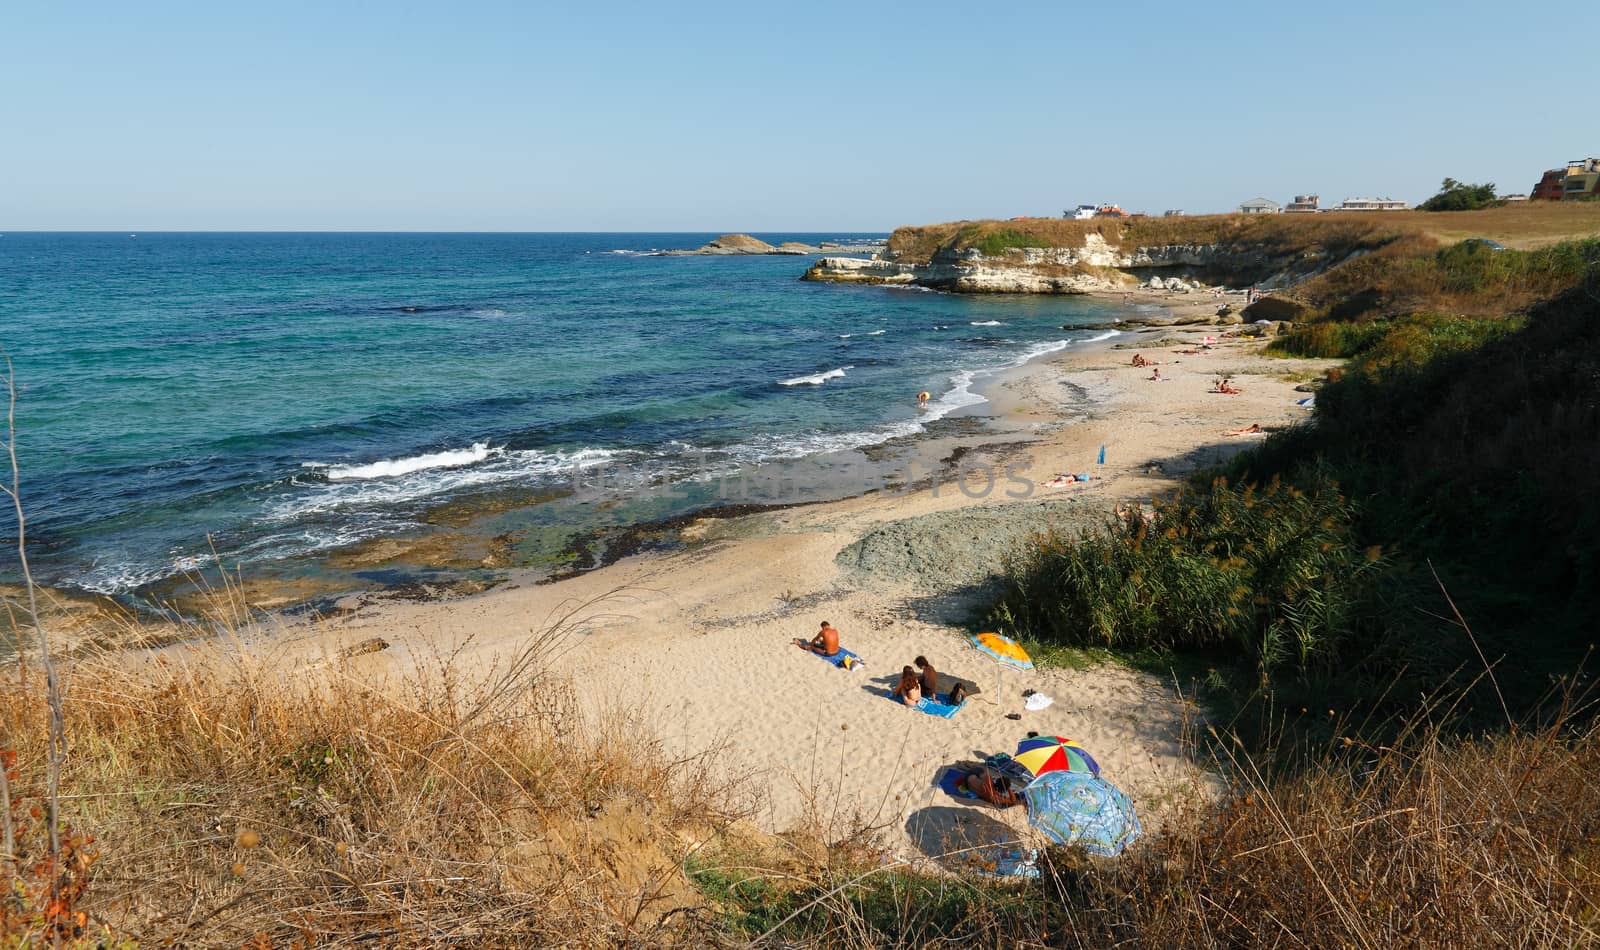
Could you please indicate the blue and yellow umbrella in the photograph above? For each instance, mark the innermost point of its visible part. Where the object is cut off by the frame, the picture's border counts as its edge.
(1004, 649)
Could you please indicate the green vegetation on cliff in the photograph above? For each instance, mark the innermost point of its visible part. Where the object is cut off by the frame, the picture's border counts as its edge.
(1453, 455)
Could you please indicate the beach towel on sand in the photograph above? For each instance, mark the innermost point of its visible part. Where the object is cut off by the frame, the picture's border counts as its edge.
(844, 659)
(950, 783)
(934, 707)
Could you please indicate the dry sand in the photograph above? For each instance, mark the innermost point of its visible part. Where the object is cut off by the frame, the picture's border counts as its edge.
(701, 638)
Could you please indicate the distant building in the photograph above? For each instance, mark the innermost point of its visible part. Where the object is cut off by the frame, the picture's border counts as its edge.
(1550, 186)
(1080, 213)
(1582, 180)
(1511, 199)
(1302, 204)
(1172, 213)
(1260, 206)
(1371, 204)
(1110, 211)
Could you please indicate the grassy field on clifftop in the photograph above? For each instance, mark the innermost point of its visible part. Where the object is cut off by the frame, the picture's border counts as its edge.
(1525, 226)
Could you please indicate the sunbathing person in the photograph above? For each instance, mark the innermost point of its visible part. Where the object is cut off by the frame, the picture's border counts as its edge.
(1225, 386)
(825, 643)
(1066, 479)
(994, 790)
(909, 689)
(1253, 428)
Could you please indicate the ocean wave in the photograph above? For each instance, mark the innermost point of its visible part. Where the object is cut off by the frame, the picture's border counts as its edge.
(1104, 336)
(499, 467)
(816, 380)
(877, 333)
(391, 468)
(986, 323)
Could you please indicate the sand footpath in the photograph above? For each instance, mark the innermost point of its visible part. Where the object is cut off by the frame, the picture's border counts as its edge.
(699, 639)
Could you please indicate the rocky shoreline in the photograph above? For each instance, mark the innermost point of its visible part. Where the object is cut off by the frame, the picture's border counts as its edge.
(1093, 267)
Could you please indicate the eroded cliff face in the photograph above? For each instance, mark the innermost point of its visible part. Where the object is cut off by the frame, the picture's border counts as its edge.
(1093, 266)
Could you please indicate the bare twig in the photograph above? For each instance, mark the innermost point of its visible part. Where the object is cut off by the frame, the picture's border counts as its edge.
(52, 683)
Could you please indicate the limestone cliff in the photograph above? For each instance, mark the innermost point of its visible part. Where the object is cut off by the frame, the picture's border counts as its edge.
(1070, 257)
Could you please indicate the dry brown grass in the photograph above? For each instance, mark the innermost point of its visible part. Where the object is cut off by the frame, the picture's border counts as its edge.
(233, 801)
(1428, 840)
(1518, 226)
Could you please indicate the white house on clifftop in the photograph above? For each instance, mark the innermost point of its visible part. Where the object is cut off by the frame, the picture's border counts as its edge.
(1260, 206)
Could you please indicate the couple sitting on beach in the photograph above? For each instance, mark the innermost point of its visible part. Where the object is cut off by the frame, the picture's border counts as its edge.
(913, 685)
(1225, 385)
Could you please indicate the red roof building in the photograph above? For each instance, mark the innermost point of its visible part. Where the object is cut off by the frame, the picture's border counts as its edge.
(1550, 186)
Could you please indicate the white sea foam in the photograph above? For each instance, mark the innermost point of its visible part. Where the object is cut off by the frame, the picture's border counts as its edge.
(846, 336)
(405, 466)
(1104, 336)
(816, 380)
(877, 333)
(987, 323)
(532, 465)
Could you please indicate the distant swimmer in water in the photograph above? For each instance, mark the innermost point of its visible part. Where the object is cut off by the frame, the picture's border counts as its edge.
(923, 397)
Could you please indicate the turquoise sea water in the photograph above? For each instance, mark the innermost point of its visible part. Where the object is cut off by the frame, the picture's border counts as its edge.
(286, 394)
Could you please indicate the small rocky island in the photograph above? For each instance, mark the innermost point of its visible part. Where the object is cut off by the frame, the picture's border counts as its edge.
(734, 244)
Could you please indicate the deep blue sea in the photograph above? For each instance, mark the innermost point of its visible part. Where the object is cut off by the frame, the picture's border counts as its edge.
(285, 394)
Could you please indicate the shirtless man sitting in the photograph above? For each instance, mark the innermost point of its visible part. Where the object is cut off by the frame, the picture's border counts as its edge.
(825, 643)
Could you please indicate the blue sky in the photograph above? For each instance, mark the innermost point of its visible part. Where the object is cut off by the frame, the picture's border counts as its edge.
(762, 117)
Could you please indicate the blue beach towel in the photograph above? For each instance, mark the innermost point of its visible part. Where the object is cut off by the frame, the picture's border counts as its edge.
(844, 659)
(950, 783)
(1016, 863)
(934, 707)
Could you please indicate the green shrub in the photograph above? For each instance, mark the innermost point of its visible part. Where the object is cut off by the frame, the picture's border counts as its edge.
(995, 243)
(1273, 572)
(1459, 196)
(1331, 340)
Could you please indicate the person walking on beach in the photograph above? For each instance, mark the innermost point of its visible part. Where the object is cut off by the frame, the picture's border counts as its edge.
(825, 643)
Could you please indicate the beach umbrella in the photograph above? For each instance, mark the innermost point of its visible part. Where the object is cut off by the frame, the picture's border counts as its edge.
(1004, 649)
(1041, 755)
(1077, 808)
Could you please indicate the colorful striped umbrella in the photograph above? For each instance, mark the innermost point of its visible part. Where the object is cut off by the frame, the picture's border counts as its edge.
(1076, 808)
(1004, 649)
(1041, 755)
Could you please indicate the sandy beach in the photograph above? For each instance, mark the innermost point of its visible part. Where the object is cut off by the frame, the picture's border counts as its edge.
(699, 640)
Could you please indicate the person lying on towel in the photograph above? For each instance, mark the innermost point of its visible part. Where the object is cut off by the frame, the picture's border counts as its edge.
(825, 643)
(996, 790)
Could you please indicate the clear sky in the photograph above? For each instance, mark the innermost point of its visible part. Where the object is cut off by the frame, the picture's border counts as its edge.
(764, 116)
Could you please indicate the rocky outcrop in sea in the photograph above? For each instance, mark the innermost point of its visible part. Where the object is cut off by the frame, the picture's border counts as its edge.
(736, 244)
